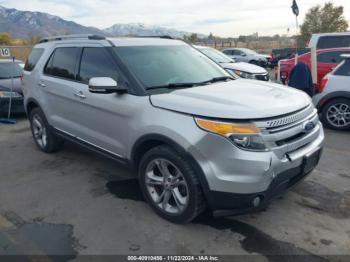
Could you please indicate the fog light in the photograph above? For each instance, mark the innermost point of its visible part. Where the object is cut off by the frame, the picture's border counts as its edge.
(256, 201)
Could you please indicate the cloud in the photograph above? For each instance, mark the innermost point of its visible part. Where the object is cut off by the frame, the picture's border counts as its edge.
(225, 18)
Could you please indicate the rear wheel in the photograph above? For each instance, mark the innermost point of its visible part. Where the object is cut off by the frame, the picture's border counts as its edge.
(44, 138)
(170, 185)
(336, 114)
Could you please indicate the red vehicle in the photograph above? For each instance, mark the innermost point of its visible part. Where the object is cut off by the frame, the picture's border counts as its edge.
(327, 59)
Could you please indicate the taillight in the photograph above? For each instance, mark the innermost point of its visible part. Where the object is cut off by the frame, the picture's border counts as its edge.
(323, 84)
(21, 77)
(284, 75)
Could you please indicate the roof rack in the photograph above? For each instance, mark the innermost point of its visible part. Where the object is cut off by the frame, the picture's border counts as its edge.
(155, 36)
(68, 37)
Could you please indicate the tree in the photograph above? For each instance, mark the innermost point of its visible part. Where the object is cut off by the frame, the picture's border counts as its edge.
(193, 38)
(326, 19)
(5, 39)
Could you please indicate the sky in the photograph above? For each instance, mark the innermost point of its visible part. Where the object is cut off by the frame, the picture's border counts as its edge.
(222, 18)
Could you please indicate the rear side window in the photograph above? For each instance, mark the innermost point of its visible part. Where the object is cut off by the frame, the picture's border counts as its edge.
(33, 59)
(344, 69)
(333, 41)
(331, 57)
(96, 62)
(228, 52)
(63, 62)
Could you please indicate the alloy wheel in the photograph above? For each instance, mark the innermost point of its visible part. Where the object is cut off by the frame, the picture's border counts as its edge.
(39, 131)
(167, 186)
(338, 115)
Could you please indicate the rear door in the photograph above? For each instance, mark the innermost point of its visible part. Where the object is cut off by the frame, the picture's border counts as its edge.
(59, 86)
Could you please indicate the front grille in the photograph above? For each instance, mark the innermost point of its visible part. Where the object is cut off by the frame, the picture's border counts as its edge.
(287, 134)
(264, 77)
(279, 122)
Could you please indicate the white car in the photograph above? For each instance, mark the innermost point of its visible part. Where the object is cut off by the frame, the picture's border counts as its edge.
(248, 56)
(330, 40)
(333, 101)
(241, 69)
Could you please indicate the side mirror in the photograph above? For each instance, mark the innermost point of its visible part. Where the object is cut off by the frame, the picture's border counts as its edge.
(105, 85)
(243, 54)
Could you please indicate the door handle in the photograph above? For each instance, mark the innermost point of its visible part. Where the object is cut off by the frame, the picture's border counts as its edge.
(80, 95)
(41, 84)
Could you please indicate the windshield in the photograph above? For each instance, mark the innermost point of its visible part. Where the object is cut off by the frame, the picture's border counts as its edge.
(168, 65)
(8, 69)
(216, 55)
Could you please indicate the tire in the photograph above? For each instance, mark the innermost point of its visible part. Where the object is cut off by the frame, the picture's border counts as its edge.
(44, 138)
(185, 199)
(336, 114)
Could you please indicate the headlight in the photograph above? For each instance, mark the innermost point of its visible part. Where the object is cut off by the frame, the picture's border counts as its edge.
(243, 135)
(243, 74)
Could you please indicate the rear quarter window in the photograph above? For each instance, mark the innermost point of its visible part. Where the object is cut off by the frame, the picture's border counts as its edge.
(33, 59)
(344, 69)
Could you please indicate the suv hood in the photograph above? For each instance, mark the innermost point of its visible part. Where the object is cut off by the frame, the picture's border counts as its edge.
(244, 67)
(238, 99)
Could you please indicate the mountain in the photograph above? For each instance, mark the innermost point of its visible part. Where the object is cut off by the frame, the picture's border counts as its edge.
(24, 24)
(138, 29)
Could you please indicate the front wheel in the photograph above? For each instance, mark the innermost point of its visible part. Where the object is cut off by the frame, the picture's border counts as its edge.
(336, 114)
(170, 185)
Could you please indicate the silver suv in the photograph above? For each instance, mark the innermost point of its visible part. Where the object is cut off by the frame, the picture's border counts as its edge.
(197, 137)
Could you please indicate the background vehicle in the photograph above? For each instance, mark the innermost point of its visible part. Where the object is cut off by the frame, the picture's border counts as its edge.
(17, 101)
(8, 69)
(327, 60)
(333, 101)
(330, 40)
(167, 110)
(247, 55)
(241, 69)
(278, 54)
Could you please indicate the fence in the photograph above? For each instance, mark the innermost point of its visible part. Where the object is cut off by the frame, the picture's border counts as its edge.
(259, 46)
(20, 52)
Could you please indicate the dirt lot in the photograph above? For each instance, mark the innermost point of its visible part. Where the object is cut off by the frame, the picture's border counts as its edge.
(75, 202)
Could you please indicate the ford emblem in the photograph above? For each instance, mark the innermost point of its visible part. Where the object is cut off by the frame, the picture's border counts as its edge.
(308, 126)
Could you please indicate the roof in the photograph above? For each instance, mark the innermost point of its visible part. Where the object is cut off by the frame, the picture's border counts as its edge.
(117, 41)
(331, 34)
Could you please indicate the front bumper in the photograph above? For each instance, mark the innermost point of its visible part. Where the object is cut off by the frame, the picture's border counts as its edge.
(224, 204)
(235, 176)
(16, 107)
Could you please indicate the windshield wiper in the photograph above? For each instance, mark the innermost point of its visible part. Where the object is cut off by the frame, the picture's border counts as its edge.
(219, 79)
(173, 86)
(188, 85)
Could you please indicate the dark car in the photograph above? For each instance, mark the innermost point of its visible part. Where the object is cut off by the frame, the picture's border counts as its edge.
(278, 54)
